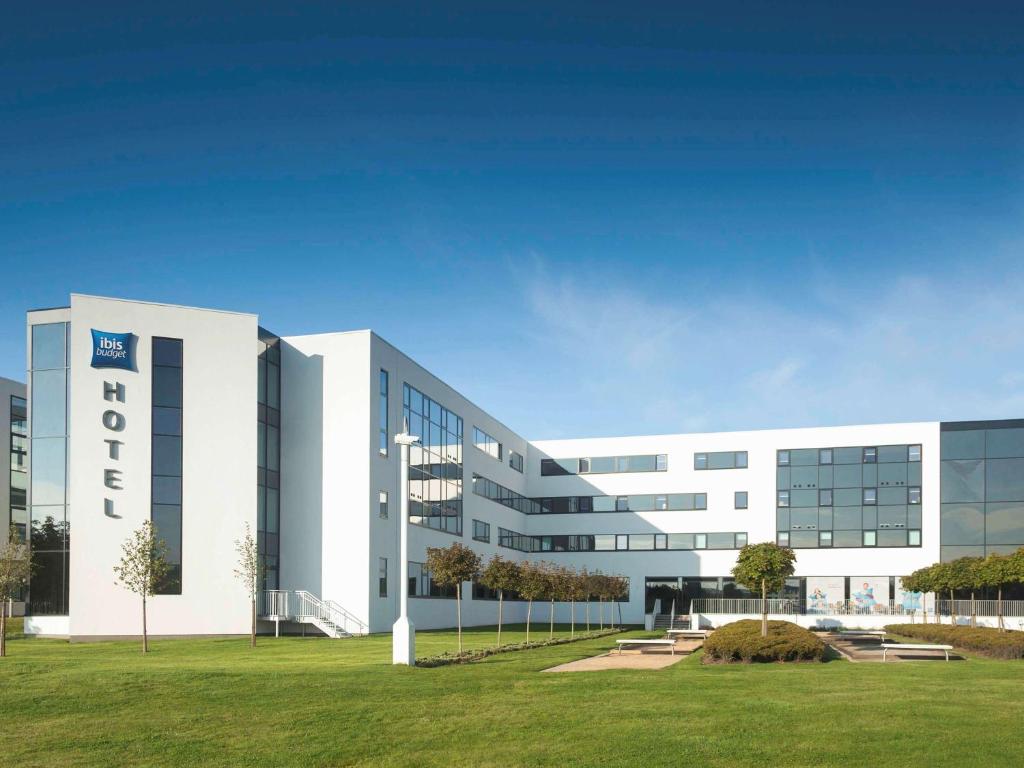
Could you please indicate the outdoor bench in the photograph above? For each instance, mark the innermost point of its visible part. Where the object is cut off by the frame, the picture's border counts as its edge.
(915, 647)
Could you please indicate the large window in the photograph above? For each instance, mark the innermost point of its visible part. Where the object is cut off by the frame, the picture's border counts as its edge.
(268, 459)
(421, 585)
(382, 446)
(382, 505)
(382, 577)
(19, 466)
(486, 443)
(481, 531)
(560, 505)
(595, 465)
(619, 542)
(435, 464)
(167, 456)
(847, 497)
(50, 534)
(720, 460)
(981, 488)
(515, 460)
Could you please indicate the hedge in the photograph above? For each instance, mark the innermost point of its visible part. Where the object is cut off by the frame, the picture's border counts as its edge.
(741, 641)
(982, 640)
(482, 653)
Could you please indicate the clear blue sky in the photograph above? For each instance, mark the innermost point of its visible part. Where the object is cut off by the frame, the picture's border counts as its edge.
(602, 218)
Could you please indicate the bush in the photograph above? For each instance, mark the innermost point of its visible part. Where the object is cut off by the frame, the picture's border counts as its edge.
(741, 641)
(982, 640)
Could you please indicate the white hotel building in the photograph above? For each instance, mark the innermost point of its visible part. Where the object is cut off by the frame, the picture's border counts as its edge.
(213, 423)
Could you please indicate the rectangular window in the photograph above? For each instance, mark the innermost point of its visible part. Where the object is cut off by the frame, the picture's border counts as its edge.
(870, 496)
(782, 499)
(382, 577)
(660, 541)
(382, 446)
(486, 443)
(661, 462)
(700, 461)
(382, 505)
(824, 538)
(268, 459)
(783, 539)
(740, 499)
(481, 531)
(720, 460)
(913, 538)
(870, 455)
(700, 541)
(435, 465)
(741, 540)
(913, 453)
(515, 460)
(870, 538)
(825, 497)
(825, 456)
(914, 494)
(783, 458)
(166, 456)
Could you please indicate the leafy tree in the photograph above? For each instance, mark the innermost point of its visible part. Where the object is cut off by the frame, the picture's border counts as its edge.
(584, 580)
(918, 581)
(532, 585)
(575, 589)
(766, 567)
(555, 577)
(993, 572)
(143, 567)
(959, 575)
(249, 572)
(500, 574)
(450, 566)
(15, 567)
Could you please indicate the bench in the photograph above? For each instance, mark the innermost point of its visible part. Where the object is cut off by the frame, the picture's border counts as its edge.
(878, 634)
(701, 633)
(915, 647)
(652, 641)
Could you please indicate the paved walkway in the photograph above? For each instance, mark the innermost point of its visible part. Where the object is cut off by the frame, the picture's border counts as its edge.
(631, 659)
(870, 650)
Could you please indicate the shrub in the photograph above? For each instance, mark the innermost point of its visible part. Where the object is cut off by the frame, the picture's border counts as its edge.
(742, 641)
(981, 640)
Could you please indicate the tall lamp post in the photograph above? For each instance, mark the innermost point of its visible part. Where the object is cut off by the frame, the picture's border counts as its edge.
(403, 633)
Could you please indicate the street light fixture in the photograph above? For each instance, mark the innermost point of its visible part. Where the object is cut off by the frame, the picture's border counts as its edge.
(403, 633)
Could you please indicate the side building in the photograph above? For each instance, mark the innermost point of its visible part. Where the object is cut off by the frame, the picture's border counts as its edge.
(204, 422)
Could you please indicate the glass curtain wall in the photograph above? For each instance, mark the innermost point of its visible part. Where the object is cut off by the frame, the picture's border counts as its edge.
(50, 536)
(19, 466)
(435, 464)
(168, 394)
(268, 474)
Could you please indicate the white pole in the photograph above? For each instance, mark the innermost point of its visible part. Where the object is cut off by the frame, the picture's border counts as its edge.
(403, 633)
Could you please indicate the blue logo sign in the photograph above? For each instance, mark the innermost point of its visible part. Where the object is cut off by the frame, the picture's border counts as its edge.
(113, 350)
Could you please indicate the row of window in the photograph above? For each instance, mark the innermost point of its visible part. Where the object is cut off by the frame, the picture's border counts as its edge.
(486, 443)
(617, 542)
(166, 476)
(435, 477)
(802, 457)
(594, 465)
(849, 475)
(848, 497)
(268, 459)
(720, 460)
(850, 539)
(848, 518)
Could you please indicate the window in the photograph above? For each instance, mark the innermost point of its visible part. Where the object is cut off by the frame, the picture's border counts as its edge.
(600, 465)
(783, 458)
(382, 447)
(268, 457)
(435, 465)
(166, 456)
(913, 453)
(825, 456)
(870, 537)
(782, 499)
(382, 577)
(740, 499)
(382, 505)
(913, 538)
(783, 538)
(870, 455)
(700, 541)
(661, 462)
(741, 540)
(481, 531)
(825, 497)
(720, 460)
(870, 496)
(486, 443)
(515, 460)
(824, 538)
(914, 494)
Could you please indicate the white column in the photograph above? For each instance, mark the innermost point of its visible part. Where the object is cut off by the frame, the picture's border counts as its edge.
(403, 633)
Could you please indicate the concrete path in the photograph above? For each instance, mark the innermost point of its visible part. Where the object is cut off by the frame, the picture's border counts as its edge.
(631, 659)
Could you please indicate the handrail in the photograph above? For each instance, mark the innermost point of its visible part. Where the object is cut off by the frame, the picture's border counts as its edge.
(301, 604)
(793, 606)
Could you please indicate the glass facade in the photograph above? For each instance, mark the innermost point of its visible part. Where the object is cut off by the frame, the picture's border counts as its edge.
(421, 585)
(268, 458)
(862, 496)
(720, 460)
(563, 505)
(167, 455)
(486, 443)
(382, 416)
(619, 542)
(435, 464)
(481, 531)
(599, 465)
(19, 467)
(50, 534)
(982, 488)
(677, 592)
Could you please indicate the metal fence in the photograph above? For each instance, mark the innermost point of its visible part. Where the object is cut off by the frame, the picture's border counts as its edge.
(795, 607)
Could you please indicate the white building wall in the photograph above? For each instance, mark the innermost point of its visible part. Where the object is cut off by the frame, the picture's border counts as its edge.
(218, 467)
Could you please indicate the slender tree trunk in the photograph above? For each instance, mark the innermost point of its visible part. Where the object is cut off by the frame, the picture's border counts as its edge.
(458, 612)
(551, 621)
(572, 618)
(588, 613)
(618, 607)
(600, 612)
(252, 634)
(764, 608)
(999, 610)
(3, 629)
(145, 637)
(529, 610)
(501, 600)
(952, 609)
(974, 613)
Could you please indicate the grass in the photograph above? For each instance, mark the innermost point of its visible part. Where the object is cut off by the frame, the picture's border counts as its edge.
(309, 702)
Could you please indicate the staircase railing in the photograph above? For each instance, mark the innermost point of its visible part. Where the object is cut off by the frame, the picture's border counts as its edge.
(342, 618)
(301, 605)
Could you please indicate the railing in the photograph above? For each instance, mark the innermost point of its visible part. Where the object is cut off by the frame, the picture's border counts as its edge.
(274, 602)
(342, 618)
(303, 606)
(794, 607)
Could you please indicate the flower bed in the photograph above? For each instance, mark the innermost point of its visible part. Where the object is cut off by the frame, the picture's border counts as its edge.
(982, 640)
(482, 653)
(741, 641)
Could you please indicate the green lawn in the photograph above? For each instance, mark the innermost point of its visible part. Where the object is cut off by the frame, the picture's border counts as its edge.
(310, 702)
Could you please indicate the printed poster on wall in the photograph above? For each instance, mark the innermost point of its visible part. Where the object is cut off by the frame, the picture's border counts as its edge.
(912, 602)
(824, 592)
(867, 592)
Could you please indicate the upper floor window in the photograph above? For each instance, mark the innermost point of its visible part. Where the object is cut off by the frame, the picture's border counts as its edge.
(740, 499)
(870, 455)
(825, 456)
(515, 460)
(783, 457)
(720, 460)
(382, 446)
(486, 443)
(913, 453)
(481, 531)
(594, 465)
(382, 505)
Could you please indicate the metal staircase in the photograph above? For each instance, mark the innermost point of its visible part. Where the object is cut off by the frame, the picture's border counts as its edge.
(304, 607)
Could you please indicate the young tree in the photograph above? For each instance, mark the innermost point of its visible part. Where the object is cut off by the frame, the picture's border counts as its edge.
(15, 568)
(249, 572)
(500, 574)
(532, 586)
(555, 577)
(450, 567)
(575, 588)
(958, 575)
(584, 581)
(764, 567)
(917, 582)
(143, 567)
(620, 586)
(993, 572)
